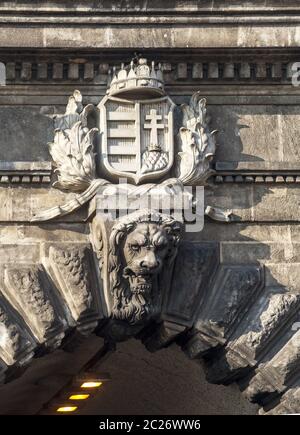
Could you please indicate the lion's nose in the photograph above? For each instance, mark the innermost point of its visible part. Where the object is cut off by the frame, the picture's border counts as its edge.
(149, 262)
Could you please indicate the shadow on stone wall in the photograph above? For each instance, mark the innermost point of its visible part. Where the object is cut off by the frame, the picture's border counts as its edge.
(25, 133)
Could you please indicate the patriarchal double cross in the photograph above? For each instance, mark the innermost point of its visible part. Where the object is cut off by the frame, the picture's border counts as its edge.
(154, 126)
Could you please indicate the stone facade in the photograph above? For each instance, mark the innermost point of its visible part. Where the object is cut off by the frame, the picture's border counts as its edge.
(232, 293)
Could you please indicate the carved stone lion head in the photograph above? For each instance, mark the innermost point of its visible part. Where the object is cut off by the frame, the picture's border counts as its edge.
(142, 244)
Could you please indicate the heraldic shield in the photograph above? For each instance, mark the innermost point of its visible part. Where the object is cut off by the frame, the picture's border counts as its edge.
(136, 138)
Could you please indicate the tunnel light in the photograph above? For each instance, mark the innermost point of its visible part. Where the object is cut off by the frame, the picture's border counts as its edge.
(79, 396)
(91, 384)
(66, 409)
(76, 393)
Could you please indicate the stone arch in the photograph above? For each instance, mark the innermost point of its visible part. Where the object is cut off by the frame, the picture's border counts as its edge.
(222, 314)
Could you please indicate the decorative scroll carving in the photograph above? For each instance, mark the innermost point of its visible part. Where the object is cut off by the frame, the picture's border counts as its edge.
(141, 245)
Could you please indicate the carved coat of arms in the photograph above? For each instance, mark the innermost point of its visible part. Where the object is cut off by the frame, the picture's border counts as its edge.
(134, 139)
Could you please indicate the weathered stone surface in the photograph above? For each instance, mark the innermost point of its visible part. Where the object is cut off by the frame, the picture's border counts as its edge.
(281, 369)
(194, 269)
(256, 133)
(287, 274)
(232, 292)
(26, 133)
(253, 203)
(244, 138)
(20, 205)
(204, 36)
(243, 232)
(247, 252)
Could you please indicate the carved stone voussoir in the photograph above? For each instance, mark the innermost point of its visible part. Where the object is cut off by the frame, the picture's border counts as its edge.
(289, 403)
(194, 270)
(268, 316)
(72, 268)
(16, 344)
(256, 340)
(225, 302)
(230, 297)
(275, 376)
(28, 290)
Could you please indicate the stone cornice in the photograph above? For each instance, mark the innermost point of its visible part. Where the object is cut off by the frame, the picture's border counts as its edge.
(94, 69)
(25, 173)
(174, 7)
(153, 35)
(257, 172)
(105, 24)
(85, 19)
(170, 12)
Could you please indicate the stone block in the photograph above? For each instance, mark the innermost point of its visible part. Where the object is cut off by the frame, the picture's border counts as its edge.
(213, 70)
(19, 205)
(88, 71)
(25, 134)
(57, 73)
(284, 274)
(244, 138)
(261, 70)
(283, 201)
(10, 71)
(26, 71)
(22, 252)
(244, 232)
(197, 71)
(228, 71)
(73, 71)
(193, 271)
(42, 71)
(252, 252)
(182, 70)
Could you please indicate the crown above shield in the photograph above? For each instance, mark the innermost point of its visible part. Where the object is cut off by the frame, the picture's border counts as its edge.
(137, 80)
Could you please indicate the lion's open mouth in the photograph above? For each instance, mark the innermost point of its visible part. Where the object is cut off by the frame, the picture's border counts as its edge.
(140, 283)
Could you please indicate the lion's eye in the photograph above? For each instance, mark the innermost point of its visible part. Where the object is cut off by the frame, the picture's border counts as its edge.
(135, 248)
